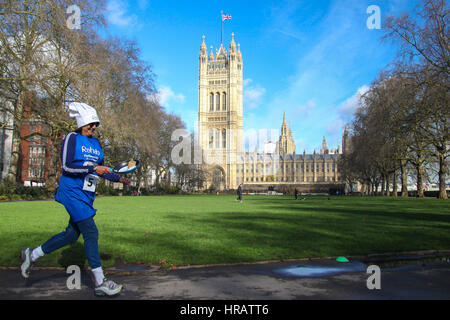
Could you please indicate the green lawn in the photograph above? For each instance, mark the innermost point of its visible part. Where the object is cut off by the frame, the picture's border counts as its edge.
(190, 230)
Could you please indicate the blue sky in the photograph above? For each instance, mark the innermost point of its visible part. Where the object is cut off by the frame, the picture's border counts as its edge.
(309, 59)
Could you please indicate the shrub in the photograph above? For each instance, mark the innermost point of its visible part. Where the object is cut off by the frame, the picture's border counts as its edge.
(104, 190)
(7, 187)
(13, 191)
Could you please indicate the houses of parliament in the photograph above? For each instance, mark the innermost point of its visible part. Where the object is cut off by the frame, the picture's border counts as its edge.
(220, 134)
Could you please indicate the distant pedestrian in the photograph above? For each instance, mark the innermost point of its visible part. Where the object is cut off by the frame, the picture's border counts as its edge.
(296, 194)
(239, 193)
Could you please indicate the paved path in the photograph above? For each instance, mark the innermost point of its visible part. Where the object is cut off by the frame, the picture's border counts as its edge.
(242, 282)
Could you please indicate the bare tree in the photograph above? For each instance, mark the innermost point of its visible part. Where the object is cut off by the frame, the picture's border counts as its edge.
(425, 47)
(29, 31)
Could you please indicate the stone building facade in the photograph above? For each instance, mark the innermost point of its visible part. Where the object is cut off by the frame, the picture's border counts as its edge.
(220, 135)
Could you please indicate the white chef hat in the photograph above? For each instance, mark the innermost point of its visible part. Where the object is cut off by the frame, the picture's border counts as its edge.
(82, 113)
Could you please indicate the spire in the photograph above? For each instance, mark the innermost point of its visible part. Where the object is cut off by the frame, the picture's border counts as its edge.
(203, 46)
(221, 50)
(284, 118)
(211, 55)
(232, 44)
(324, 146)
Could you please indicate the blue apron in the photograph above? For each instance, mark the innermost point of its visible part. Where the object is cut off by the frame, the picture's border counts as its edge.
(77, 191)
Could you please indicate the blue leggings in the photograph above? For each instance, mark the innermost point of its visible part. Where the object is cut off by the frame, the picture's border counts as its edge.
(89, 231)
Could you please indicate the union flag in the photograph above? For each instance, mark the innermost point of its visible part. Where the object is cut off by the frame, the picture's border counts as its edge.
(226, 17)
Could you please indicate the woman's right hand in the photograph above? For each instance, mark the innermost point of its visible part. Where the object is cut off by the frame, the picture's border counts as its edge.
(101, 170)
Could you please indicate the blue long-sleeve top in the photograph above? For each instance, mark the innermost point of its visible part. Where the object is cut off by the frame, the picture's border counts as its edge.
(81, 154)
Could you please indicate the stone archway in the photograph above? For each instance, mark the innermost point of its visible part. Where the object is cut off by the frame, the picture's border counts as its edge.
(218, 178)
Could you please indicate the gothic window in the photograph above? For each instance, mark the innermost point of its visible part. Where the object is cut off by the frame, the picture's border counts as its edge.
(211, 138)
(224, 101)
(211, 102)
(218, 101)
(224, 138)
(217, 138)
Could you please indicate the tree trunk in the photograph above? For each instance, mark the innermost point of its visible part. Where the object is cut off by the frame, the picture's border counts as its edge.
(419, 170)
(394, 184)
(386, 182)
(404, 179)
(442, 176)
(14, 169)
(15, 162)
(146, 174)
(54, 149)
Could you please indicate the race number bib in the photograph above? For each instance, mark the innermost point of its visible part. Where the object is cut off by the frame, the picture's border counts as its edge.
(90, 183)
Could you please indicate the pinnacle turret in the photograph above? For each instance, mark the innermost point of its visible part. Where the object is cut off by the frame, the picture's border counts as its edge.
(232, 43)
(203, 46)
(211, 55)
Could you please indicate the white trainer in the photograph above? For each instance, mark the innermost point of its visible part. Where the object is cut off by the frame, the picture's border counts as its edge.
(26, 262)
(108, 288)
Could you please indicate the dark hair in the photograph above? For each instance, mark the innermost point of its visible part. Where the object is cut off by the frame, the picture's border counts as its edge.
(78, 130)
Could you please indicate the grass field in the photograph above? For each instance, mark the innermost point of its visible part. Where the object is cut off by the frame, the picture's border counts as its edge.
(210, 229)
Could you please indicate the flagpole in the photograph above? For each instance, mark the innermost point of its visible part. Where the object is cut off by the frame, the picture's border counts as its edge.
(221, 27)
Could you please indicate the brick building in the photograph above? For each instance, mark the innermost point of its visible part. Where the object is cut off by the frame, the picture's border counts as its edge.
(34, 150)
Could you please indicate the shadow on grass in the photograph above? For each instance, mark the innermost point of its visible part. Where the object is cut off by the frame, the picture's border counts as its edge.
(271, 229)
(73, 255)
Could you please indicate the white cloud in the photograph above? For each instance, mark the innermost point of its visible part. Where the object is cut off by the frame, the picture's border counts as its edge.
(347, 108)
(336, 127)
(117, 14)
(305, 110)
(252, 94)
(166, 95)
(247, 82)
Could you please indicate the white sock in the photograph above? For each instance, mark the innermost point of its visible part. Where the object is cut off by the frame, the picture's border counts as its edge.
(36, 254)
(98, 275)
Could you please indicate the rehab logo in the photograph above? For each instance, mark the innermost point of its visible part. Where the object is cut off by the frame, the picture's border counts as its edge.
(90, 150)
